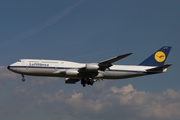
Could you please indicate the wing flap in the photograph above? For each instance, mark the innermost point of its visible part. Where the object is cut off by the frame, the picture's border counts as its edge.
(159, 68)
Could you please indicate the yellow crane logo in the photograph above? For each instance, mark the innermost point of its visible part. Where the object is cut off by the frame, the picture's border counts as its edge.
(160, 56)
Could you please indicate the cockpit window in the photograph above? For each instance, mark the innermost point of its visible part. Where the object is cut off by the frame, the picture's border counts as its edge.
(19, 60)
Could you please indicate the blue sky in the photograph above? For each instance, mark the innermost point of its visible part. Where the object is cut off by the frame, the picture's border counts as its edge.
(89, 31)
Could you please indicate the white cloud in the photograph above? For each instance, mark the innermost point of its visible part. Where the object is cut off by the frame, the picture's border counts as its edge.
(124, 103)
(43, 81)
(22, 93)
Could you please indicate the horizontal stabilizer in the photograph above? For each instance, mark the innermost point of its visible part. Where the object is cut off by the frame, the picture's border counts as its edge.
(159, 68)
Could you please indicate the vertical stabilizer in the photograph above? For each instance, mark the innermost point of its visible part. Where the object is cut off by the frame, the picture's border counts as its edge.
(158, 58)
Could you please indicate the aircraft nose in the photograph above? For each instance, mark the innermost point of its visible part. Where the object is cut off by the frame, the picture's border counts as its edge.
(8, 67)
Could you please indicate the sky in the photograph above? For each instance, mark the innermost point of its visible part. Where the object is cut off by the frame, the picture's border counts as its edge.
(89, 31)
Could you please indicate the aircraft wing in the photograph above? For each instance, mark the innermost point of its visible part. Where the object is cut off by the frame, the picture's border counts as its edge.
(91, 70)
(103, 65)
(108, 63)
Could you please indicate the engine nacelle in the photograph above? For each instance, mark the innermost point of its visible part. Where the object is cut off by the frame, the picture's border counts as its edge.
(92, 67)
(71, 81)
(72, 72)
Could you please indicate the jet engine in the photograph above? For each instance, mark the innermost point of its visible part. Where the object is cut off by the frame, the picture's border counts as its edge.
(72, 72)
(92, 67)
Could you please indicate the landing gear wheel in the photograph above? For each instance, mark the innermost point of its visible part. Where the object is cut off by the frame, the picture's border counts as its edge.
(84, 85)
(83, 82)
(23, 79)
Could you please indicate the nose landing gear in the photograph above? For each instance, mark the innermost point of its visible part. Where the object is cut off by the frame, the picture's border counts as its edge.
(23, 79)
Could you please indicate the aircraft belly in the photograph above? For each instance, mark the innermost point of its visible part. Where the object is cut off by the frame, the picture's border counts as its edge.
(44, 72)
(120, 75)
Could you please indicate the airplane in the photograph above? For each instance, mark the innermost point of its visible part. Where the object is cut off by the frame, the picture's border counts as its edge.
(88, 73)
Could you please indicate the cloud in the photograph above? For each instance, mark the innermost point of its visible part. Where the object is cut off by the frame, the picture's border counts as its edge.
(43, 81)
(121, 103)
(22, 93)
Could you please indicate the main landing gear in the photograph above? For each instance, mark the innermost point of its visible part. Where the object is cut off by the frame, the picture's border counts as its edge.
(23, 79)
(87, 81)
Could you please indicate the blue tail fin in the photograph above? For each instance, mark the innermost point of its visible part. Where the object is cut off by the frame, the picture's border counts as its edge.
(158, 58)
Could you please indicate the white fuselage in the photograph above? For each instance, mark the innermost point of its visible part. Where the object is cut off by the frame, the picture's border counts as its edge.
(66, 69)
